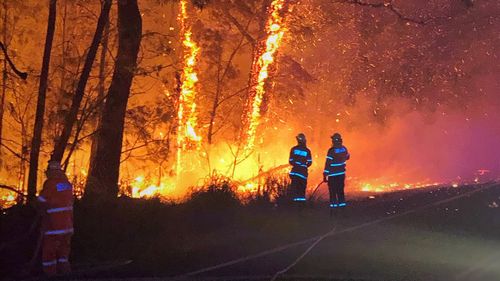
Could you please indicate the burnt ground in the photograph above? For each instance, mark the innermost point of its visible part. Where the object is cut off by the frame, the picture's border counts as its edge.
(389, 237)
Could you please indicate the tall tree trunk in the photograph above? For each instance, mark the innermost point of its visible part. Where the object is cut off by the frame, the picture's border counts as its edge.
(101, 89)
(40, 106)
(80, 89)
(105, 168)
(4, 78)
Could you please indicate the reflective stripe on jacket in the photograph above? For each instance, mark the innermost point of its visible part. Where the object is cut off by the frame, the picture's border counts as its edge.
(57, 199)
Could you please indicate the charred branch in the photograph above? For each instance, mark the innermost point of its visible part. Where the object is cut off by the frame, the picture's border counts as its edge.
(22, 75)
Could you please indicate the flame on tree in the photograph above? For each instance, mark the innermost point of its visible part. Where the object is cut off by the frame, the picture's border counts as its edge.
(275, 30)
(187, 115)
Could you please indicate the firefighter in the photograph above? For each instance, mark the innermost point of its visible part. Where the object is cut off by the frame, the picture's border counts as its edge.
(56, 207)
(334, 172)
(300, 159)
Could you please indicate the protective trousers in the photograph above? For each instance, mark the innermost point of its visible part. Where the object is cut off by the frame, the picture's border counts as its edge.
(298, 188)
(336, 188)
(55, 254)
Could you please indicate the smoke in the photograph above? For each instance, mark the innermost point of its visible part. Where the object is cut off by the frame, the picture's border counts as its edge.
(413, 147)
(439, 65)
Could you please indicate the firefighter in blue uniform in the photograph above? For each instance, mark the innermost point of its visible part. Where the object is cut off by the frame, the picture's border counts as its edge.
(334, 172)
(300, 159)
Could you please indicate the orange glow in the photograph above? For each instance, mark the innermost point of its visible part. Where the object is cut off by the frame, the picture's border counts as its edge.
(198, 72)
(7, 199)
(274, 30)
(250, 187)
(387, 187)
(142, 187)
(187, 114)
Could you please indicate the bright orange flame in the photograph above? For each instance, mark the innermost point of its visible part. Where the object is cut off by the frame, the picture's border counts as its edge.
(387, 187)
(274, 31)
(187, 115)
(141, 187)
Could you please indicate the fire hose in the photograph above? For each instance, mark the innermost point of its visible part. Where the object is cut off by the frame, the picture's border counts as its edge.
(278, 168)
(316, 189)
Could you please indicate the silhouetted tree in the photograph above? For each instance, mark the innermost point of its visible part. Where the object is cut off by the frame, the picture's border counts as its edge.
(105, 167)
(40, 107)
(80, 90)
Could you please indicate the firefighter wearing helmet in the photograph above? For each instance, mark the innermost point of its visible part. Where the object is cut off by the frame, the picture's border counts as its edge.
(56, 207)
(300, 159)
(334, 172)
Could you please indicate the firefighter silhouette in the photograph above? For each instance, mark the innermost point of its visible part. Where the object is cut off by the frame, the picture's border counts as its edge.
(56, 205)
(334, 172)
(300, 159)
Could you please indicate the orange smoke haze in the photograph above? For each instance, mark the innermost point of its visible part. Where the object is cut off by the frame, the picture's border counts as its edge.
(412, 148)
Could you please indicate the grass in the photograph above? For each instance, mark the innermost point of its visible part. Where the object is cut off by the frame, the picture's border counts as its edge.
(214, 226)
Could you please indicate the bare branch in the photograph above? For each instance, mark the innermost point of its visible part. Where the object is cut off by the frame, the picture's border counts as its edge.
(22, 75)
(13, 152)
(239, 26)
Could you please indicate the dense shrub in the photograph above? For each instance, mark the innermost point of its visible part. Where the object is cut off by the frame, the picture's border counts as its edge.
(273, 191)
(218, 193)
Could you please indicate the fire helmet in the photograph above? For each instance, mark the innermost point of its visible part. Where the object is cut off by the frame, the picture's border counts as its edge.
(54, 165)
(301, 138)
(337, 138)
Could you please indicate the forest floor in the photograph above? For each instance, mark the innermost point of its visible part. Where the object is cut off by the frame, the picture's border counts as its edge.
(439, 233)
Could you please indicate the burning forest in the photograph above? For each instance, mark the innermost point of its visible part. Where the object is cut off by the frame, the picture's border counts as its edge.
(226, 139)
(220, 89)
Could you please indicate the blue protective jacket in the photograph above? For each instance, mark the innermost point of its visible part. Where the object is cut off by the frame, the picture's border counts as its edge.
(300, 159)
(336, 160)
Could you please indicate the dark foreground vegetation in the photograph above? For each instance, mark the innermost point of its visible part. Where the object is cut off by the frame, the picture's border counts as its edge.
(167, 239)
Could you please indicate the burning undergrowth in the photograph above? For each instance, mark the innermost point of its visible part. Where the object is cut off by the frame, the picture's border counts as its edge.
(412, 150)
(222, 191)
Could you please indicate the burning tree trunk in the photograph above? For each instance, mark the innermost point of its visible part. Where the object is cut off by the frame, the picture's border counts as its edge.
(80, 90)
(264, 56)
(187, 114)
(40, 106)
(105, 167)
